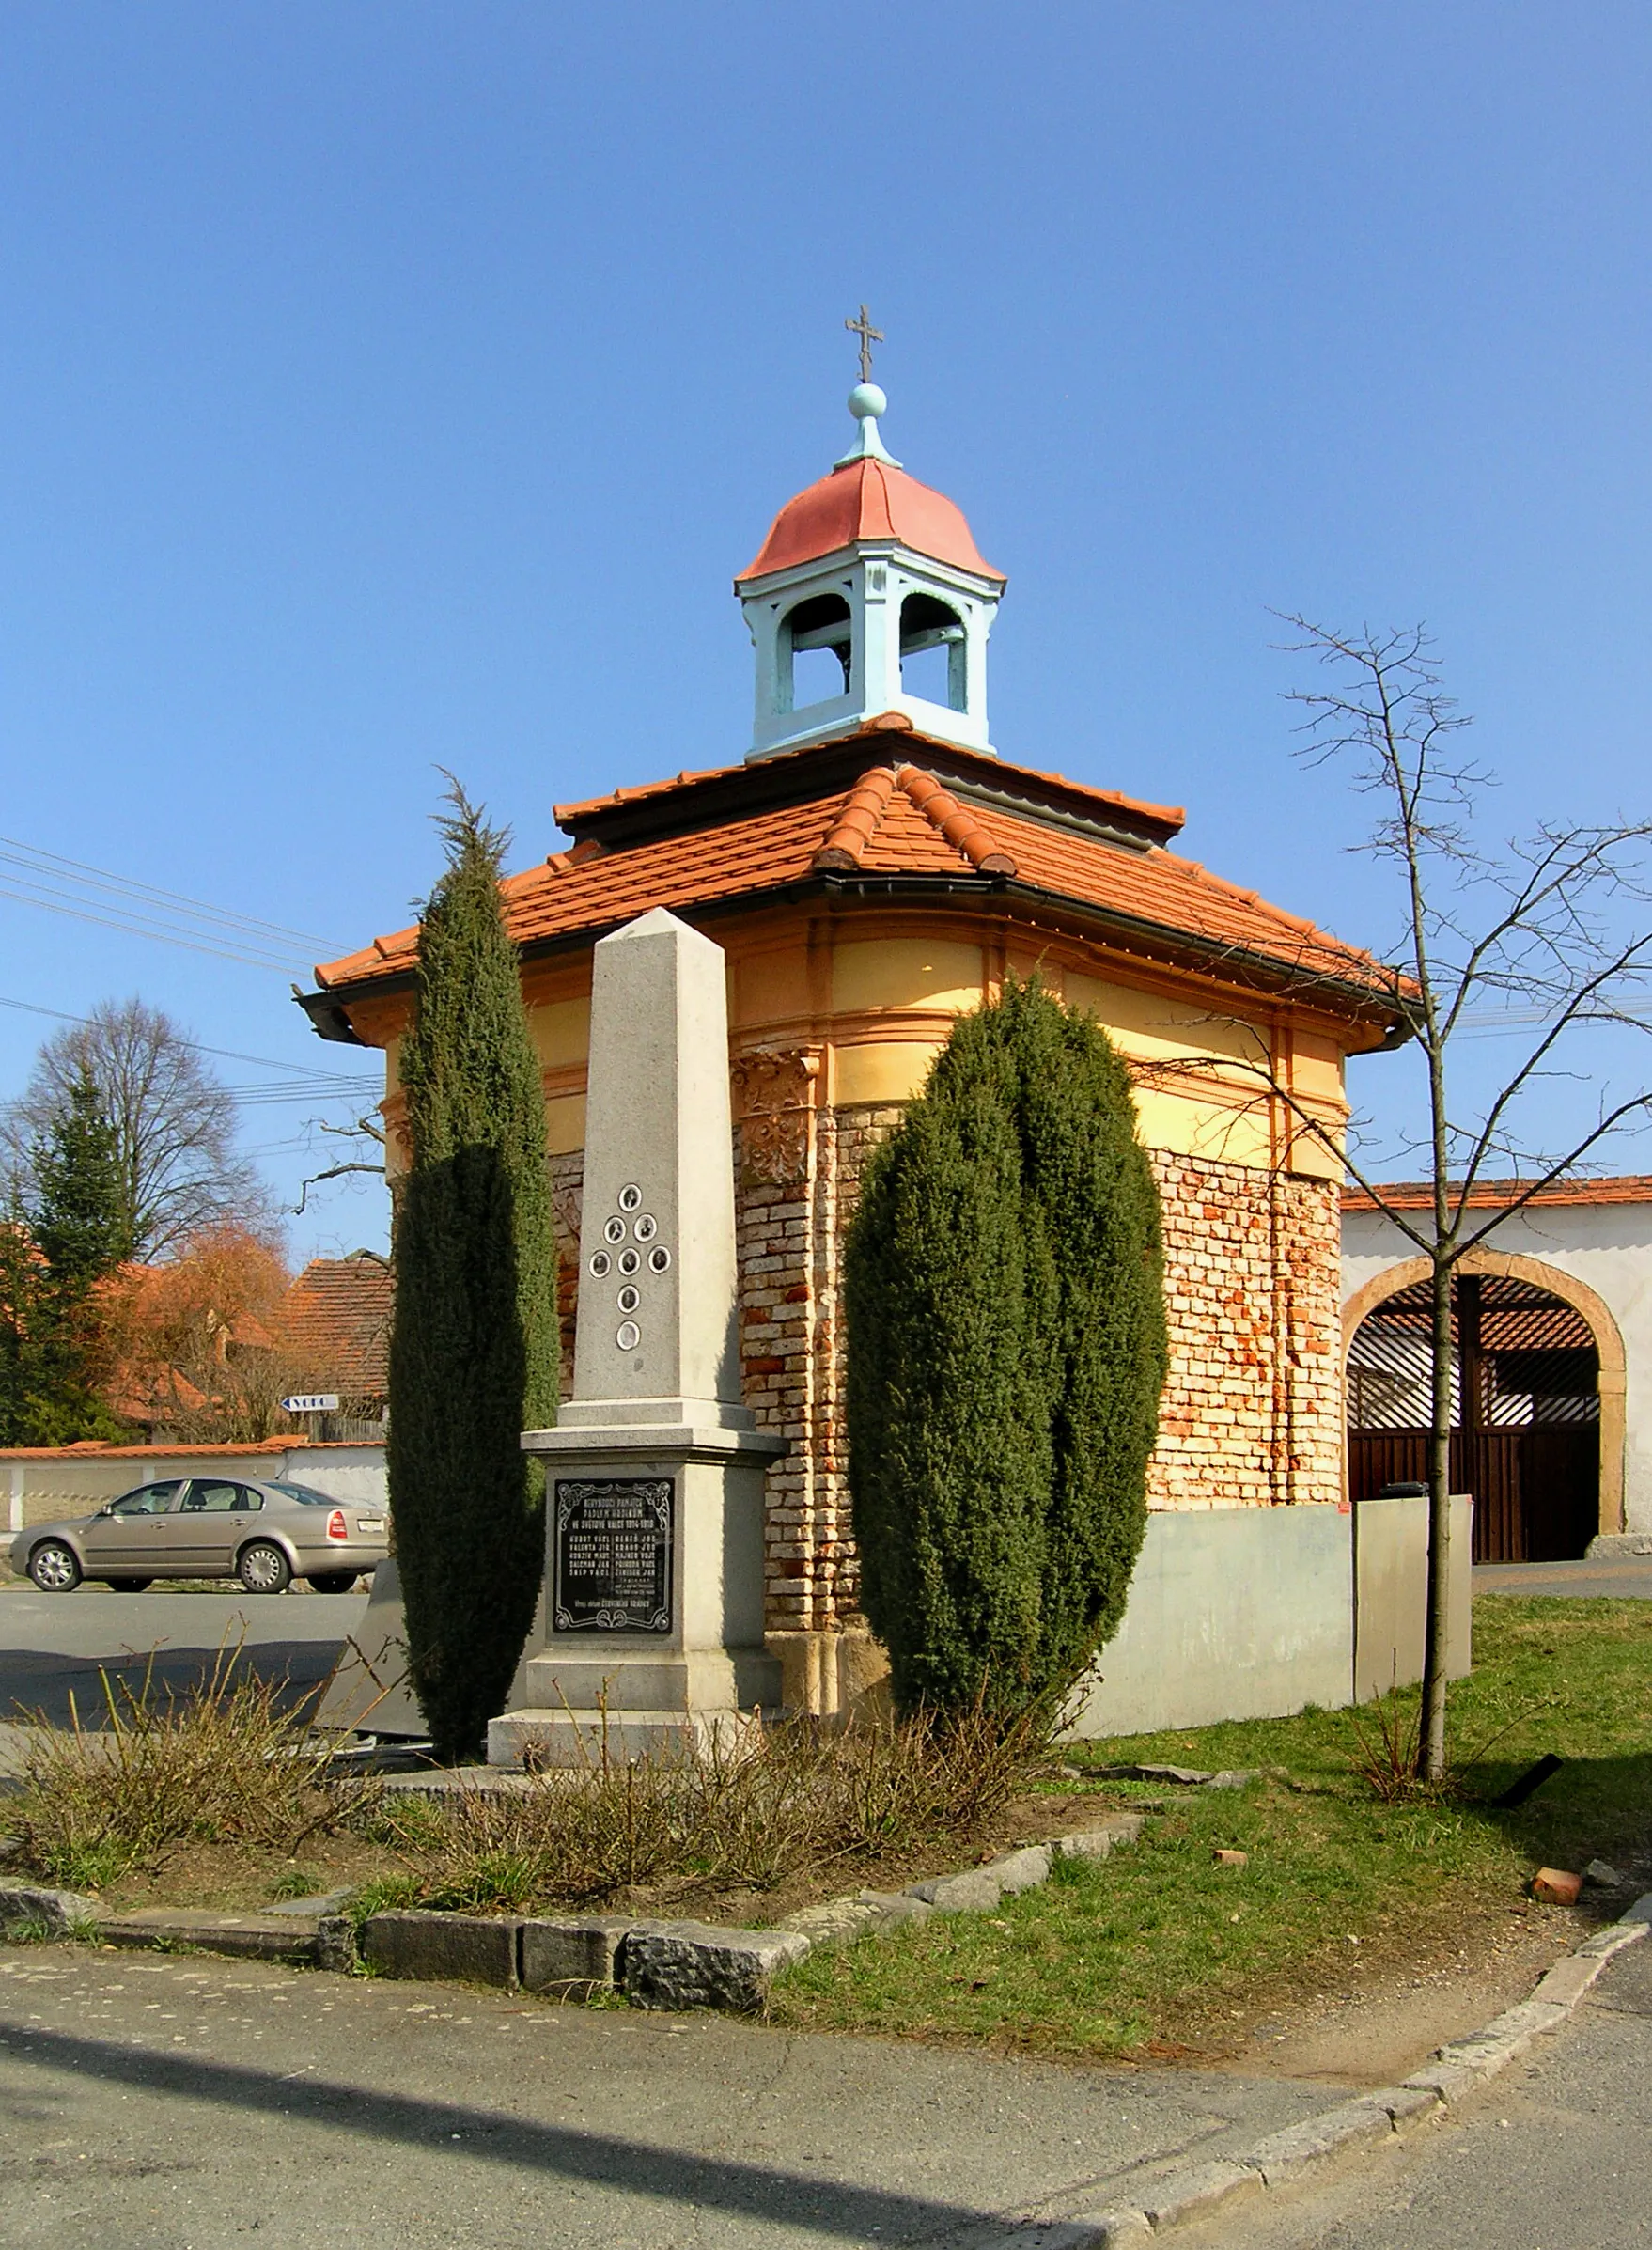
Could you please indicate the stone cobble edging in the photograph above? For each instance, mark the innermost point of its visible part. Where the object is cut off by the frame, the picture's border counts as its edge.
(654, 1963)
(685, 1965)
(1193, 2192)
(63, 1913)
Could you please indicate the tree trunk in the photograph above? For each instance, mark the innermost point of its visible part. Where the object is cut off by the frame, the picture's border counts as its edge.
(1432, 1731)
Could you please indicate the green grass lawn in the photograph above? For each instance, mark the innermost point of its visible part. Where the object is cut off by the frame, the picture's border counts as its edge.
(1159, 1941)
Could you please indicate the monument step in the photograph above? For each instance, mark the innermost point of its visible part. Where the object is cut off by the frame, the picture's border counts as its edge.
(576, 1737)
(686, 1680)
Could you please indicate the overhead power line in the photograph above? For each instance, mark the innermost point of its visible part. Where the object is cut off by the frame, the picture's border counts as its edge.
(89, 894)
(344, 1082)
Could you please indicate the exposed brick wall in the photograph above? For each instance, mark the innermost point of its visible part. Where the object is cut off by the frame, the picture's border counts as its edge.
(1252, 1408)
(1251, 1413)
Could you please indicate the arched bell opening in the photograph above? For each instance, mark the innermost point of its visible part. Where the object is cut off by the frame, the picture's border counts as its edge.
(815, 655)
(1526, 1436)
(934, 663)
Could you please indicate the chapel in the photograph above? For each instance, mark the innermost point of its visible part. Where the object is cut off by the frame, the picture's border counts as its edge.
(873, 864)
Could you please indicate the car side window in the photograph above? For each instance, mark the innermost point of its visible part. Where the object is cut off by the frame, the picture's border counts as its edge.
(154, 1500)
(209, 1496)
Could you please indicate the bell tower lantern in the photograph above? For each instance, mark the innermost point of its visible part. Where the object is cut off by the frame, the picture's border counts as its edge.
(869, 596)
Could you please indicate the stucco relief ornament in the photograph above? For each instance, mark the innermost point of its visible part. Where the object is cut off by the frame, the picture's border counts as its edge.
(774, 1097)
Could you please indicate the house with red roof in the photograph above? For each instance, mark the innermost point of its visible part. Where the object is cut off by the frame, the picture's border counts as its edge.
(872, 866)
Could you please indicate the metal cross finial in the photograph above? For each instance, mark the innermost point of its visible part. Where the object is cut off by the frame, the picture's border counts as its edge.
(868, 336)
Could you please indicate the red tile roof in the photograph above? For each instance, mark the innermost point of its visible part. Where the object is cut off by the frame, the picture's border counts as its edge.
(336, 1324)
(1491, 1195)
(868, 499)
(831, 817)
(696, 798)
(91, 1450)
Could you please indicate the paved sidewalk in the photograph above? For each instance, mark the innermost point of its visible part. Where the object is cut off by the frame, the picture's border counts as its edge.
(53, 1646)
(188, 2102)
(1556, 2154)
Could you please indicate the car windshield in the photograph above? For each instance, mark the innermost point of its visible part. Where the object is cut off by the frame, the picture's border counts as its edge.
(153, 1500)
(305, 1495)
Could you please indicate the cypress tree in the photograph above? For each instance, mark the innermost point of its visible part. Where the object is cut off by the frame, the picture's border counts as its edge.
(1005, 1354)
(473, 1346)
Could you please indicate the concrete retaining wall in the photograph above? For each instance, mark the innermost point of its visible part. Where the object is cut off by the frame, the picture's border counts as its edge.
(1390, 1551)
(1249, 1613)
(1234, 1613)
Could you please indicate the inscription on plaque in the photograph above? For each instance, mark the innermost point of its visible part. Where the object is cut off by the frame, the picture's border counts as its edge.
(613, 1555)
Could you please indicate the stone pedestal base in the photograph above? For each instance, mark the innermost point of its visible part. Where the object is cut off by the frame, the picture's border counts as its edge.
(529, 1737)
(666, 1651)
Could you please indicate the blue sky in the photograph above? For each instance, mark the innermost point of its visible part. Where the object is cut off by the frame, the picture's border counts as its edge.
(401, 385)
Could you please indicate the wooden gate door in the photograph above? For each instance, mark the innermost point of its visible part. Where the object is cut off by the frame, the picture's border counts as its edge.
(1527, 1445)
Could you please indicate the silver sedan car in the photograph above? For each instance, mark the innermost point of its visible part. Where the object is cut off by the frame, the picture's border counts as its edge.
(265, 1535)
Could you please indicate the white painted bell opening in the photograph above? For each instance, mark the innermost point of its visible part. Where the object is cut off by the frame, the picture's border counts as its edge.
(815, 658)
(934, 653)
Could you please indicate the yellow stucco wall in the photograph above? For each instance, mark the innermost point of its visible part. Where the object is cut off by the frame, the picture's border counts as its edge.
(879, 1008)
(907, 972)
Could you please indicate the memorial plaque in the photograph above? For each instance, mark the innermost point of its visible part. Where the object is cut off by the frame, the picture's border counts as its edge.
(613, 1555)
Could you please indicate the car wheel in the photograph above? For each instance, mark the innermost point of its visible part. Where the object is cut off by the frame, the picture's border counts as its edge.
(333, 1582)
(130, 1585)
(262, 1569)
(54, 1568)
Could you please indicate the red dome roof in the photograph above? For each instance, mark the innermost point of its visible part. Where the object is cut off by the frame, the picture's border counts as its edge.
(868, 499)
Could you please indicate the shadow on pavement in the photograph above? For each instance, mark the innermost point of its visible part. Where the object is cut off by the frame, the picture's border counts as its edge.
(35, 1680)
(596, 2159)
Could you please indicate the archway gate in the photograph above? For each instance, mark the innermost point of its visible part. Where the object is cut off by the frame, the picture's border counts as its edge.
(1525, 1435)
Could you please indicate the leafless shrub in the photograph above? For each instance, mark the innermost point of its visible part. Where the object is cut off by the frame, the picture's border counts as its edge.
(737, 1812)
(223, 1760)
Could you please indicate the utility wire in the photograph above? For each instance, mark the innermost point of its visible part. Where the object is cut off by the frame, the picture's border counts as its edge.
(348, 1082)
(133, 926)
(131, 894)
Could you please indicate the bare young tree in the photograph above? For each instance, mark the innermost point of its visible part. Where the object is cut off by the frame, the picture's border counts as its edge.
(367, 1135)
(1549, 932)
(174, 1123)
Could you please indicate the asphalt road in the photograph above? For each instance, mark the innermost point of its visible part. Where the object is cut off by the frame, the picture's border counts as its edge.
(153, 2103)
(53, 1644)
(1622, 1579)
(1556, 2154)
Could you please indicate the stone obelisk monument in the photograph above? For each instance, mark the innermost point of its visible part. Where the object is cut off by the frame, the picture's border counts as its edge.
(653, 1610)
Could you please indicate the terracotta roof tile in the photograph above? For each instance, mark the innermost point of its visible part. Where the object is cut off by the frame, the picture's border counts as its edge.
(900, 823)
(1168, 818)
(1488, 1195)
(337, 1322)
(90, 1449)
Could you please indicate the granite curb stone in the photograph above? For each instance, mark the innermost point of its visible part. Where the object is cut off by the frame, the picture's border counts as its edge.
(242, 1937)
(557, 1954)
(702, 1964)
(1317, 2140)
(1193, 2191)
(1186, 1777)
(475, 1949)
(978, 1890)
(1456, 2070)
(62, 1912)
(317, 1905)
(671, 1964)
(1108, 2230)
(1097, 1843)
